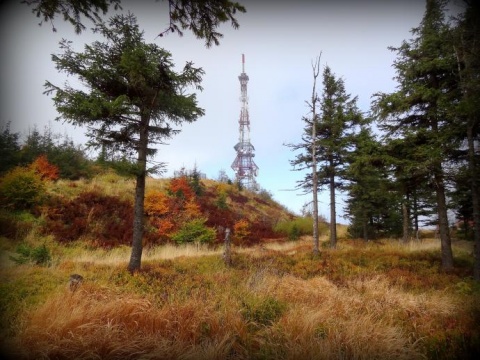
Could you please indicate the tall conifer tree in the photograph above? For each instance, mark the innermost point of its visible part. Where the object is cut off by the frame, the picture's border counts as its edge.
(467, 110)
(333, 138)
(133, 97)
(419, 109)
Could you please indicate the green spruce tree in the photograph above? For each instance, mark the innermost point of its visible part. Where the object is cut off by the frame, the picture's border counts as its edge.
(419, 110)
(332, 138)
(467, 110)
(133, 98)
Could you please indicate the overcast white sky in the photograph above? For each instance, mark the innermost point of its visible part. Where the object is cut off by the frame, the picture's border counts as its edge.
(279, 39)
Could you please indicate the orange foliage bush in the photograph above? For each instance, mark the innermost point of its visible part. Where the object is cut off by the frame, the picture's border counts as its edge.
(44, 168)
(156, 203)
(241, 232)
(192, 209)
(168, 212)
(165, 227)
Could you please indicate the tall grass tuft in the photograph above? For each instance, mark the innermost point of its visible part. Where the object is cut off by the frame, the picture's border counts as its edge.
(97, 323)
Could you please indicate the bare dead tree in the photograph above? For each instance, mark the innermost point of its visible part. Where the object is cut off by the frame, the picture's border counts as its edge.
(313, 109)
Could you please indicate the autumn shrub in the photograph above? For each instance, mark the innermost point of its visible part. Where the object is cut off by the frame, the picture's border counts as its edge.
(105, 220)
(238, 198)
(241, 232)
(194, 231)
(191, 209)
(180, 189)
(21, 188)
(156, 203)
(44, 168)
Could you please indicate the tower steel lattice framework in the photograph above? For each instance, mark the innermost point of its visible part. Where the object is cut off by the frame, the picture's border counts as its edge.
(245, 168)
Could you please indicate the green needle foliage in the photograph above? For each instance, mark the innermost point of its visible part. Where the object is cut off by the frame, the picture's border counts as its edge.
(337, 119)
(133, 98)
(202, 17)
(419, 112)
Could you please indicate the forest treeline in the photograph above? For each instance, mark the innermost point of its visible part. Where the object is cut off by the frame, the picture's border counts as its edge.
(413, 159)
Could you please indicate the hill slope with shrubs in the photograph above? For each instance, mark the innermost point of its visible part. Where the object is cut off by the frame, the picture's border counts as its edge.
(180, 210)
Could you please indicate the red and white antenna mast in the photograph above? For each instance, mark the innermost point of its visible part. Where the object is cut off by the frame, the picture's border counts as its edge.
(245, 168)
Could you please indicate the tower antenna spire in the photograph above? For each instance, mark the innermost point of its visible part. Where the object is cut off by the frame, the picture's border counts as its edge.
(245, 168)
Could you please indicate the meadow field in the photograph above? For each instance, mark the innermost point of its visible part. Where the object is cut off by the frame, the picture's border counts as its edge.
(376, 300)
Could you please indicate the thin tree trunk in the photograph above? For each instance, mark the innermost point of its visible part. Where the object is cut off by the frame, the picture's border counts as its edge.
(406, 221)
(446, 243)
(333, 214)
(415, 213)
(138, 225)
(365, 226)
(316, 248)
(316, 71)
(475, 201)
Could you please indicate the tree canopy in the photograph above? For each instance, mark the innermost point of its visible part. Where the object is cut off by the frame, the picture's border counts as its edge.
(202, 17)
(130, 100)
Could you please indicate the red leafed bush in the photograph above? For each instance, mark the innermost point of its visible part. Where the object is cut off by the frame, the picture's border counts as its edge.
(105, 220)
(44, 168)
(180, 188)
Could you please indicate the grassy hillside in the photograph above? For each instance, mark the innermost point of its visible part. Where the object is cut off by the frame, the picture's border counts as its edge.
(100, 212)
(376, 300)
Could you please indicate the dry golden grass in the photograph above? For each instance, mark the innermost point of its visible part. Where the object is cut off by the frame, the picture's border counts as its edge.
(97, 323)
(109, 184)
(186, 304)
(323, 321)
(121, 255)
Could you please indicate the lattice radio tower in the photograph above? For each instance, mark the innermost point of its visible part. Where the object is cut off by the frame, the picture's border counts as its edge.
(244, 166)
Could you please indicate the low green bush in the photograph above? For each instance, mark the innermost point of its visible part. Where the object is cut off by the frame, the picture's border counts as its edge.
(262, 311)
(194, 231)
(21, 188)
(299, 226)
(39, 255)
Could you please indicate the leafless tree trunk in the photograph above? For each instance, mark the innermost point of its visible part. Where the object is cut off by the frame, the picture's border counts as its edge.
(313, 105)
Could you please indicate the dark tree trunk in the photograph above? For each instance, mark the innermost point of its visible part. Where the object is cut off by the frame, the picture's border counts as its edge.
(333, 214)
(446, 244)
(365, 227)
(415, 213)
(138, 225)
(472, 163)
(406, 222)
